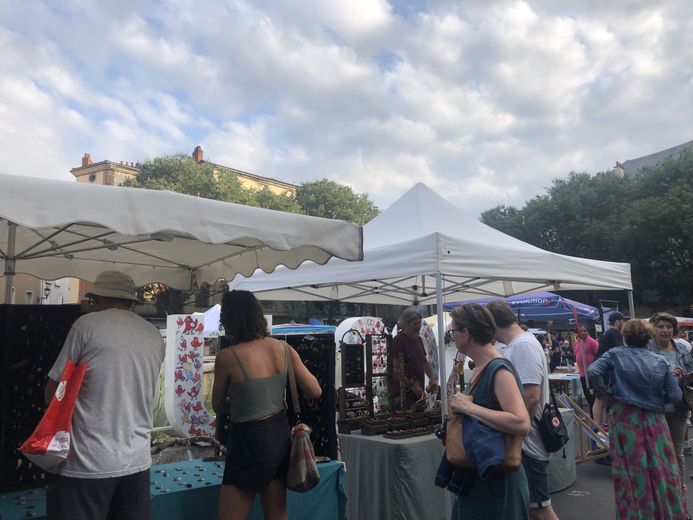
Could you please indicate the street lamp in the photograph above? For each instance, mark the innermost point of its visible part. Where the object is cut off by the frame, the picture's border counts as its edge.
(46, 293)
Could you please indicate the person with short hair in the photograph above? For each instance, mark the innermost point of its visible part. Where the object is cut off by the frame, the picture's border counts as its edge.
(107, 472)
(497, 402)
(640, 386)
(527, 355)
(249, 381)
(612, 337)
(681, 363)
(409, 361)
(585, 350)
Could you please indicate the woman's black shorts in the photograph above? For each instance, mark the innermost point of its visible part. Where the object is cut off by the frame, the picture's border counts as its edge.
(258, 453)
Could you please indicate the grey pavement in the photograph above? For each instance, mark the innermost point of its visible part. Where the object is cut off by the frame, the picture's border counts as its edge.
(592, 495)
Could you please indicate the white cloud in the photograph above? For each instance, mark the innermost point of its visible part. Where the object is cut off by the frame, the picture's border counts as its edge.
(485, 102)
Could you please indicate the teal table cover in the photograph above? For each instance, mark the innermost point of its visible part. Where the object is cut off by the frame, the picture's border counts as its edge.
(190, 489)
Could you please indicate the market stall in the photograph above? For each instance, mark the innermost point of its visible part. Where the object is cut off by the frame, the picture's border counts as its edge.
(135, 231)
(425, 250)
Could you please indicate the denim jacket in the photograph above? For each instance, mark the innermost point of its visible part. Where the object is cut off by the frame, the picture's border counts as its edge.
(683, 357)
(635, 376)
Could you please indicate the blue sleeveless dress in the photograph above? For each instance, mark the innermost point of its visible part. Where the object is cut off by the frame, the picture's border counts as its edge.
(501, 495)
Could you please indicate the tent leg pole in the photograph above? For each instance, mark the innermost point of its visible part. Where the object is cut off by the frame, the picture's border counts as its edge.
(631, 304)
(442, 381)
(10, 260)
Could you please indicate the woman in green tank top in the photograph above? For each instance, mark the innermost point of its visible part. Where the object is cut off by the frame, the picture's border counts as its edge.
(249, 382)
(497, 403)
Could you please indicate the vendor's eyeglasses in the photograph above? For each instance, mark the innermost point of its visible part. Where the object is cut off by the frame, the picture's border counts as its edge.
(449, 335)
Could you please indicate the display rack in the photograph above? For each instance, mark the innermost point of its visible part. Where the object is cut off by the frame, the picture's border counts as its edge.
(365, 366)
(315, 346)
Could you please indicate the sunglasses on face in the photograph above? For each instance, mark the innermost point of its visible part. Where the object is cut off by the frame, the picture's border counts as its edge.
(450, 335)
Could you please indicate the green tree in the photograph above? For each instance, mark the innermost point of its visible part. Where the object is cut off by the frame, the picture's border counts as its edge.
(644, 219)
(266, 198)
(329, 199)
(182, 174)
(507, 219)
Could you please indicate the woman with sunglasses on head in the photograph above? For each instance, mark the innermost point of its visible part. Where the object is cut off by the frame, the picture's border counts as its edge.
(497, 403)
(249, 381)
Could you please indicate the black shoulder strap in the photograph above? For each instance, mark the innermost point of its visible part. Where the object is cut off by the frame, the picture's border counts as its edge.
(292, 382)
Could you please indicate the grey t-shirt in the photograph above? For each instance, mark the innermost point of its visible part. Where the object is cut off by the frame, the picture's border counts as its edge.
(113, 412)
(671, 356)
(527, 355)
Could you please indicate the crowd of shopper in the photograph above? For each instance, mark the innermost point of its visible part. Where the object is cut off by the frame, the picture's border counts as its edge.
(634, 377)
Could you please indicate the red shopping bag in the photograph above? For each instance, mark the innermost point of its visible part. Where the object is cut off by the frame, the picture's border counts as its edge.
(49, 445)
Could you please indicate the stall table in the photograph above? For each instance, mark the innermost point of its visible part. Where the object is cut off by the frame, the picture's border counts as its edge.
(388, 478)
(562, 471)
(568, 384)
(190, 489)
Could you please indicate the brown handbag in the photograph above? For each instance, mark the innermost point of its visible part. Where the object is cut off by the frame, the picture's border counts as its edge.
(454, 446)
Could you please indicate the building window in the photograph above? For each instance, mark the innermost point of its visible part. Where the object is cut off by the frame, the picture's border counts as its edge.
(92, 177)
(29, 297)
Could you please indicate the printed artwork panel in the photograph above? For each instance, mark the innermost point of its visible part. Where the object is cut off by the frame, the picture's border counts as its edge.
(185, 407)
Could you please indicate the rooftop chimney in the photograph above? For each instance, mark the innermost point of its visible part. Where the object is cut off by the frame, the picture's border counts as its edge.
(197, 154)
(86, 160)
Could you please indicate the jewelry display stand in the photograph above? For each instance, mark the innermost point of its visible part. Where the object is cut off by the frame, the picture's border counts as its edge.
(366, 380)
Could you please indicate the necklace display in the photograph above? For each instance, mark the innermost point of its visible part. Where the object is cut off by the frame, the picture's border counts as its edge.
(318, 355)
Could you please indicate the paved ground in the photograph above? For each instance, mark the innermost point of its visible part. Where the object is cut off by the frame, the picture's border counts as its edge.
(592, 495)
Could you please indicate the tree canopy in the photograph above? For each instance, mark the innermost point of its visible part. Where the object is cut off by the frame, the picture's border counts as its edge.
(644, 219)
(321, 198)
(329, 199)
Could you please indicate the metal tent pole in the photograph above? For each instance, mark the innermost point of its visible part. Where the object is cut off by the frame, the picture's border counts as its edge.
(631, 303)
(10, 260)
(441, 345)
(442, 381)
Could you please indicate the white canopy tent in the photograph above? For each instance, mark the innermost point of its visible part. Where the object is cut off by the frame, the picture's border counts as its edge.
(424, 249)
(53, 229)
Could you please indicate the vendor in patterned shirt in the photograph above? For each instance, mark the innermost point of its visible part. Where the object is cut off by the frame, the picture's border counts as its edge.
(409, 361)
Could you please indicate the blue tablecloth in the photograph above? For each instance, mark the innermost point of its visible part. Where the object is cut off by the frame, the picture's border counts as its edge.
(190, 489)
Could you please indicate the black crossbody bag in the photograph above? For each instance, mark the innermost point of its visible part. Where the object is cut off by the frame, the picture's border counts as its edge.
(551, 426)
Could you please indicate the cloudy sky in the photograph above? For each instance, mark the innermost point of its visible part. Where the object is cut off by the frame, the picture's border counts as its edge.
(484, 101)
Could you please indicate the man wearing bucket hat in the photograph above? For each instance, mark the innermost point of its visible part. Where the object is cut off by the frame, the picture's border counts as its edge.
(107, 471)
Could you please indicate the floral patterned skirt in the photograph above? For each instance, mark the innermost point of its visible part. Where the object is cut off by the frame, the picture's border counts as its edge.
(644, 465)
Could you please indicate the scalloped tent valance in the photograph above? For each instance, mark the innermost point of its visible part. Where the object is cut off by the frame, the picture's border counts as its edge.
(53, 229)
